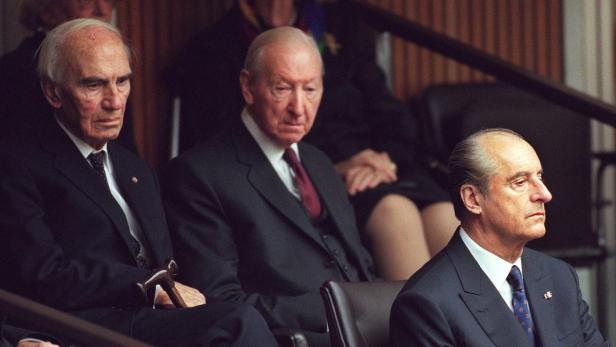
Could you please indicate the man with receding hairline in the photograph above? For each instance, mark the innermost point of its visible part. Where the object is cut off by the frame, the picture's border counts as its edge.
(256, 214)
(486, 288)
(82, 217)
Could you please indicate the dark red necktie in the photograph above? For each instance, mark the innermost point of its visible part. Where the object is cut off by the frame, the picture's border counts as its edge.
(308, 194)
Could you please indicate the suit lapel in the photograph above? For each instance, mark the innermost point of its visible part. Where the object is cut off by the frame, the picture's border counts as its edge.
(539, 282)
(75, 168)
(483, 300)
(265, 180)
(130, 176)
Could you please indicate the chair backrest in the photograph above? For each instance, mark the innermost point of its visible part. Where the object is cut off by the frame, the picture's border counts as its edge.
(560, 137)
(358, 313)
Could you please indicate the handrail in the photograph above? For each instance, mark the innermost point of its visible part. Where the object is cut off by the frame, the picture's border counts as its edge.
(564, 96)
(62, 324)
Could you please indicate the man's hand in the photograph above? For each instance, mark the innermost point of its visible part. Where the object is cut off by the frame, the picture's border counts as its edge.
(367, 169)
(191, 296)
(32, 343)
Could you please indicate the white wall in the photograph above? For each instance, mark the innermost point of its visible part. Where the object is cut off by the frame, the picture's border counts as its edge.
(589, 67)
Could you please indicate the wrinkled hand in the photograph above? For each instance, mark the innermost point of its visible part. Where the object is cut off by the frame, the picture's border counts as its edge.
(36, 344)
(192, 297)
(367, 169)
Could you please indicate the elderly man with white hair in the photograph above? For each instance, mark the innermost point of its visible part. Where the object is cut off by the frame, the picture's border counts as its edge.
(22, 102)
(81, 217)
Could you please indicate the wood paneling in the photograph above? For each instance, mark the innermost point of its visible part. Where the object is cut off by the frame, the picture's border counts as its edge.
(157, 30)
(525, 32)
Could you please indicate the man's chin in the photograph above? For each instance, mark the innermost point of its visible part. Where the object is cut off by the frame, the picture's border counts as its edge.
(537, 232)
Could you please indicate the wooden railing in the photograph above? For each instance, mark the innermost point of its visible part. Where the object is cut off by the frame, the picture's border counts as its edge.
(60, 324)
(383, 20)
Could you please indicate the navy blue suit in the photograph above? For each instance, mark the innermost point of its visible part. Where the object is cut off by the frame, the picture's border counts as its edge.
(451, 302)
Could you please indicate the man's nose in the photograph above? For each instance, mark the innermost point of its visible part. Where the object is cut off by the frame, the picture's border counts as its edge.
(113, 99)
(541, 193)
(296, 104)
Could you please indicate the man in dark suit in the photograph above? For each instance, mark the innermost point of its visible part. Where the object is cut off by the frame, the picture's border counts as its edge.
(252, 222)
(81, 217)
(485, 288)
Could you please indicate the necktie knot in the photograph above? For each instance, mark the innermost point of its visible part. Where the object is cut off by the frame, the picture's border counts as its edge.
(515, 279)
(291, 158)
(309, 196)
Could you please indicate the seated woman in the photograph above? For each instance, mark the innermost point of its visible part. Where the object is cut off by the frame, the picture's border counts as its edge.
(367, 133)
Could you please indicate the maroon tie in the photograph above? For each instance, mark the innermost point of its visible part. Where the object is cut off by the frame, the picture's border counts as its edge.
(309, 196)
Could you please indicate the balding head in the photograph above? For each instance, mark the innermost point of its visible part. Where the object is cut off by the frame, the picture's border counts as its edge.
(470, 163)
(288, 37)
(52, 53)
(282, 83)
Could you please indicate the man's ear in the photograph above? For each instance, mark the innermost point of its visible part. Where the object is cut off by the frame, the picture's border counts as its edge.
(471, 198)
(245, 85)
(50, 90)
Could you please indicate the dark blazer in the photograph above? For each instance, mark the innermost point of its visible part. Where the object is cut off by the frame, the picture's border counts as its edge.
(451, 302)
(65, 241)
(242, 236)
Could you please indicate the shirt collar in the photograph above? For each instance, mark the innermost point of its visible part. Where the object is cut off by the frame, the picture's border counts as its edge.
(84, 148)
(497, 269)
(271, 149)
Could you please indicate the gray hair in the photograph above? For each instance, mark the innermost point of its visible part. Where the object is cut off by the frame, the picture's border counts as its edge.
(470, 163)
(51, 62)
(289, 36)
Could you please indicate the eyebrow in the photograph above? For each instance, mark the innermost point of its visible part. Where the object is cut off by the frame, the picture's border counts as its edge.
(522, 174)
(92, 79)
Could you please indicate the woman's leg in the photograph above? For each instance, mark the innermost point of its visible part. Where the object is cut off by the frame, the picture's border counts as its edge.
(439, 222)
(396, 235)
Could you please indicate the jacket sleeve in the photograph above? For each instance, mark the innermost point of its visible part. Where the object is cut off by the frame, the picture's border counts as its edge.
(208, 255)
(416, 321)
(35, 265)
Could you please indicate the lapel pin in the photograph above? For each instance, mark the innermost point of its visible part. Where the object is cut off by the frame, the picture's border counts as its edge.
(547, 295)
(134, 179)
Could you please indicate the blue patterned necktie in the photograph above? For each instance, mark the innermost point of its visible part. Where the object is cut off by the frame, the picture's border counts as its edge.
(521, 309)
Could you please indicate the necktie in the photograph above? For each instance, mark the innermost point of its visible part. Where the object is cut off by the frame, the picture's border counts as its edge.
(308, 194)
(96, 159)
(521, 309)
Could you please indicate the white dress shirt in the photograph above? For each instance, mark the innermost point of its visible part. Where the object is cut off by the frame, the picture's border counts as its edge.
(497, 269)
(273, 152)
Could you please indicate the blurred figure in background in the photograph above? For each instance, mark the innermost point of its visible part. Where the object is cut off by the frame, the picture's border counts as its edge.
(369, 135)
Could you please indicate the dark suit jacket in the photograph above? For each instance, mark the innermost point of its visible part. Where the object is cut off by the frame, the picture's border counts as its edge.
(241, 235)
(10, 335)
(64, 238)
(451, 302)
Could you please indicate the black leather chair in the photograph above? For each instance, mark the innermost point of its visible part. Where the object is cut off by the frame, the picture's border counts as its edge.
(560, 137)
(358, 313)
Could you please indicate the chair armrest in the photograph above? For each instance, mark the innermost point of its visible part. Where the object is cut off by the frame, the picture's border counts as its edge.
(287, 337)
